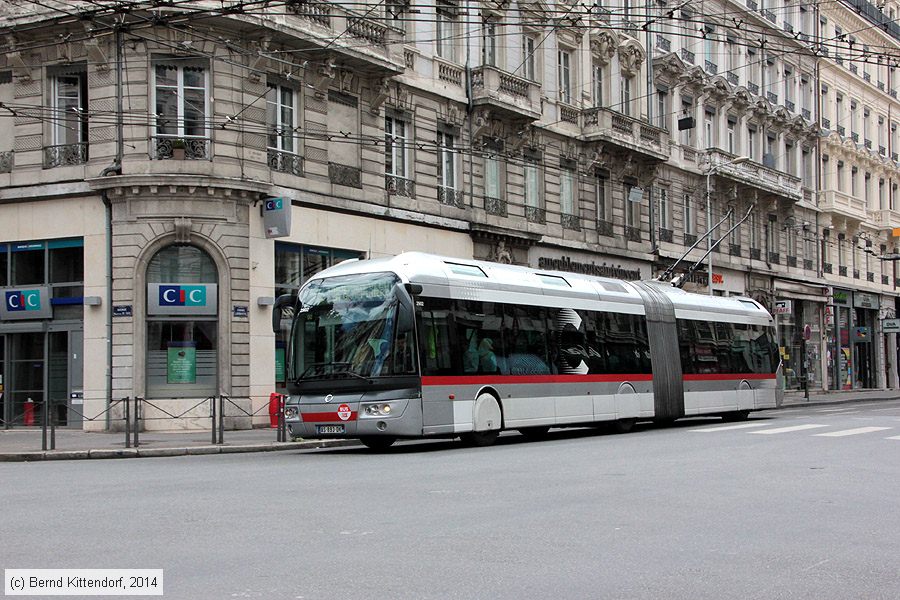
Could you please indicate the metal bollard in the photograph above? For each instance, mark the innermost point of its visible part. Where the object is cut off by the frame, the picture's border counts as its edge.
(281, 436)
(127, 401)
(44, 416)
(137, 420)
(52, 427)
(221, 419)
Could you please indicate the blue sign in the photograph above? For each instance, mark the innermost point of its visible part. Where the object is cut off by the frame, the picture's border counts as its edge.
(17, 300)
(182, 295)
(241, 311)
(276, 216)
(123, 310)
(275, 204)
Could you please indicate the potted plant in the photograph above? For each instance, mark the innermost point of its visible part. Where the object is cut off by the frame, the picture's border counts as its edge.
(178, 149)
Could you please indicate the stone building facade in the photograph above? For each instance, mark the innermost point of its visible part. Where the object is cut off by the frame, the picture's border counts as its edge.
(139, 148)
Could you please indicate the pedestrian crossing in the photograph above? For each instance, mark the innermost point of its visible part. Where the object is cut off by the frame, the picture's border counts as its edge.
(766, 428)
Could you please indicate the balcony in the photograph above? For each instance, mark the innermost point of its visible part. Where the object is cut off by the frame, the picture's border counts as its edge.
(663, 43)
(514, 96)
(711, 67)
(534, 214)
(495, 206)
(732, 78)
(570, 222)
(666, 235)
(789, 104)
(449, 72)
(755, 175)
(632, 234)
(842, 131)
(370, 46)
(399, 186)
(65, 155)
(753, 88)
(826, 123)
(770, 15)
(604, 125)
(6, 161)
(808, 264)
(885, 280)
(604, 228)
(687, 56)
(886, 219)
(806, 114)
(451, 197)
(164, 148)
(843, 204)
(285, 162)
(772, 97)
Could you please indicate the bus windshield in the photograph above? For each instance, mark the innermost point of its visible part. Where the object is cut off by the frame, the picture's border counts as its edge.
(346, 328)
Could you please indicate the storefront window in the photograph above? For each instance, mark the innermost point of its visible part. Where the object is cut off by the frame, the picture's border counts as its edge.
(27, 264)
(182, 346)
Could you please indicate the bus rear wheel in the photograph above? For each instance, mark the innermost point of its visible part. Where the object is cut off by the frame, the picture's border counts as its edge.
(377, 442)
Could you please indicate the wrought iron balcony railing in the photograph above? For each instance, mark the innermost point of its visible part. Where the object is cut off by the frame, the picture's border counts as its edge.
(451, 197)
(285, 162)
(495, 206)
(6, 161)
(535, 214)
(65, 155)
(180, 148)
(400, 186)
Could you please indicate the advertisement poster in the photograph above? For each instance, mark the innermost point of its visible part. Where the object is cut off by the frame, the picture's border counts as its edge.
(846, 370)
(181, 364)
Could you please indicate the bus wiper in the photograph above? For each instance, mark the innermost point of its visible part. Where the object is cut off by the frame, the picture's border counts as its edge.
(325, 370)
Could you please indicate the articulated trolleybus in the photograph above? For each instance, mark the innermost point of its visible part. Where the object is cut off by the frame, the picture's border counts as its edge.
(422, 346)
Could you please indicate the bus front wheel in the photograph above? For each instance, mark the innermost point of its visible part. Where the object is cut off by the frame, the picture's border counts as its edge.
(480, 438)
(377, 442)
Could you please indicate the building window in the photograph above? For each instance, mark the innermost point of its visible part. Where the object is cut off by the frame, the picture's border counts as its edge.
(492, 185)
(567, 191)
(180, 100)
(754, 230)
(687, 110)
(529, 46)
(69, 97)
(446, 160)
(446, 33)
(633, 200)
(282, 112)
(751, 142)
(662, 108)
(603, 212)
(665, 218)
(731, 142)
(533, 197)
(564, 75)
(598, 85)
(396, 147)
(625, 99)
(690, 223)
(489, 43)
(709, 129)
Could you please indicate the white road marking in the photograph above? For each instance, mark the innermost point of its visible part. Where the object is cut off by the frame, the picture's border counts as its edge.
(788, 429)
(728, 427)
(895, 437)
(845, 432)
(836, 410)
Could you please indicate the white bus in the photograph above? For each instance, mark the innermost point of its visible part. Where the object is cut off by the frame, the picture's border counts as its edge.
(424, 346)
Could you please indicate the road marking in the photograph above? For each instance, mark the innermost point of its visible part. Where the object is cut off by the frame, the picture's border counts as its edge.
(788, 429)
(895, 437)
(727, 427)
(857, 431)
(835, 410)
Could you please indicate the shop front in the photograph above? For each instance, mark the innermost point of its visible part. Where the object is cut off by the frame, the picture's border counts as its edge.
(799, 309)
(41, 332)
(852, 359)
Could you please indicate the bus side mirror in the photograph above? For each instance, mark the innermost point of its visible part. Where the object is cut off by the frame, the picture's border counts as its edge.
(406, 310)
(281, 302)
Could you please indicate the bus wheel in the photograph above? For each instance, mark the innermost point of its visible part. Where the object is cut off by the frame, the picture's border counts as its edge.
(535, 433)
(377, 442)
(738, 415)
(480, 438)
(623, 425)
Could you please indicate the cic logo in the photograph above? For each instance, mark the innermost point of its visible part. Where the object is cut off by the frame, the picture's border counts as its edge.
(182, 295)
(17, 300)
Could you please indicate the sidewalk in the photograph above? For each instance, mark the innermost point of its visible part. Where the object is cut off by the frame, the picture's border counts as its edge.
(18, 445)
(24, 444)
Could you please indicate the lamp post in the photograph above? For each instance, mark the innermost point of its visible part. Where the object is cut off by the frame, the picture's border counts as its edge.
(709, 240)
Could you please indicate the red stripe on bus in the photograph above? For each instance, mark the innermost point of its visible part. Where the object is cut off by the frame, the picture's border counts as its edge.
(727, 376)
(508, 379)
(322, 417)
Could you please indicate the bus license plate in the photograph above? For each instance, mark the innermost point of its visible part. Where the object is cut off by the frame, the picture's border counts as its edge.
(329, 429)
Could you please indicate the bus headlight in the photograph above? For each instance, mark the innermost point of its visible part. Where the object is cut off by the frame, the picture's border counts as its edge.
(290, 412)
(378, 409)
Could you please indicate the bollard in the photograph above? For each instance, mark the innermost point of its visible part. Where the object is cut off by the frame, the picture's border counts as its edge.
(212, 416)
(44, 414)
(127, 401)
(137, 423)
(52, 427)
(221, 418)
(281, 432)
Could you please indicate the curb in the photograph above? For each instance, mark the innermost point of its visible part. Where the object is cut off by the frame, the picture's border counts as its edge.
(106, 453)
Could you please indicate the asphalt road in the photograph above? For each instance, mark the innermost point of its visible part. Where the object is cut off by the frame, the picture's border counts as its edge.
(693, 511)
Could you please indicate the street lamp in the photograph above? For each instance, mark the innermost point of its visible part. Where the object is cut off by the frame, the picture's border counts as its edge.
(709, 240)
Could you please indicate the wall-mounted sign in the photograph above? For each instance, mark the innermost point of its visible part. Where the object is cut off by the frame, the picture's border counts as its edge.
(782, 307)
(23, 303)
(890, 325)
(182, 298)
(240, 310)
(841, 297)
(124, 310)
(861, 334)
(865, 300)
(277, 217)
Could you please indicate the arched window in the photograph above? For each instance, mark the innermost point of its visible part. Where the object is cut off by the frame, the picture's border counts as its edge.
(182, 303)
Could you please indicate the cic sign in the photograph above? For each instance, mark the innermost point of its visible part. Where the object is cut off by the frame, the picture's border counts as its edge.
(25, 303)
(182, 298)
(276, 213)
